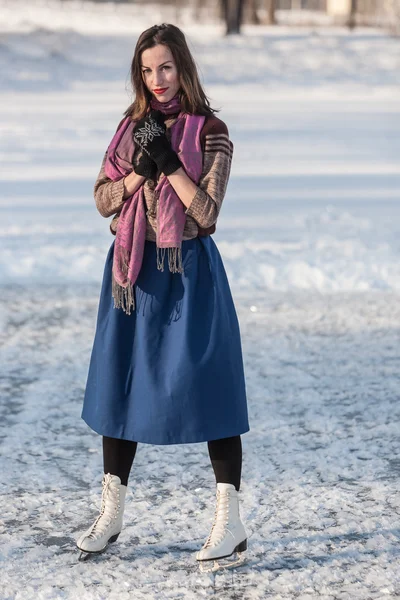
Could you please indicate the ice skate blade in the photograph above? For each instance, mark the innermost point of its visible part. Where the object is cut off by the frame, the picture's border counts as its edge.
(86, 554)
(224, 562)
(239, 548)
(218, 564)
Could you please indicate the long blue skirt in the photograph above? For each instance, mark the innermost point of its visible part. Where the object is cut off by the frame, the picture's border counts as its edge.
(172, 371)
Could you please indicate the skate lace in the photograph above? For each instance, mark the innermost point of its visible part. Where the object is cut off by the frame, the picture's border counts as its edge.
(221, 519)
(110, 504)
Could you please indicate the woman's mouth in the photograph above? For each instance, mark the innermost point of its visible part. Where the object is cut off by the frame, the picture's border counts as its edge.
(160, 90)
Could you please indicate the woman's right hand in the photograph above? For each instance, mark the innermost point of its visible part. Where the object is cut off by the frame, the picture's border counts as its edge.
(132, 182)
(143, 165)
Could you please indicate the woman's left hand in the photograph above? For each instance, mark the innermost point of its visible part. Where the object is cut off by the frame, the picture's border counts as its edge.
(150, 134)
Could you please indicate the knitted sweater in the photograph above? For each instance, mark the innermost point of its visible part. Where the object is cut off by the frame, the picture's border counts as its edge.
(203, 211)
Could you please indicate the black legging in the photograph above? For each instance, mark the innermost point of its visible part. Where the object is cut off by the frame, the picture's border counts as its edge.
(225, 455)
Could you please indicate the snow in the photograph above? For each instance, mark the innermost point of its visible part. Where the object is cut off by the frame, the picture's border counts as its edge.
(308, 234)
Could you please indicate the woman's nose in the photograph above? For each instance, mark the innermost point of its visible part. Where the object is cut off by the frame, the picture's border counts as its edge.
(157, 80)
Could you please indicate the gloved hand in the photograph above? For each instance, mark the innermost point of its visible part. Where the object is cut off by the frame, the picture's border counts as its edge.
(143, 164)
(150, 134)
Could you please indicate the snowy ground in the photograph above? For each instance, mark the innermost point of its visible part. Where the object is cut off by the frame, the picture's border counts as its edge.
(309, 236)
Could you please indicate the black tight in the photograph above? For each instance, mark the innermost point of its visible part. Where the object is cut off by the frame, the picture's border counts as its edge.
(226, 459)
(225, 455)
(118, 457)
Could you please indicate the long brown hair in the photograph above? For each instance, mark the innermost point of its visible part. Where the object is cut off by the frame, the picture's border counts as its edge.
(192, 96)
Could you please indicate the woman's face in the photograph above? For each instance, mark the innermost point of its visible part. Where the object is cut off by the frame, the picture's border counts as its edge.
(159, 71)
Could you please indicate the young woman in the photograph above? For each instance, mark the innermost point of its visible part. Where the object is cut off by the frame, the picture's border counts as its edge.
(166, 365)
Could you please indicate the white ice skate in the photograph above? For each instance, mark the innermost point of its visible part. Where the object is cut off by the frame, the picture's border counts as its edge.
(107, 526)
(228, 536)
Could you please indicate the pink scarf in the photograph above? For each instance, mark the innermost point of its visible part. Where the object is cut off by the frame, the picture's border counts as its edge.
(170, 218)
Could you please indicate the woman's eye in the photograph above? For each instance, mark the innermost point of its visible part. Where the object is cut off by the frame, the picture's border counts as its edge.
(147, 70)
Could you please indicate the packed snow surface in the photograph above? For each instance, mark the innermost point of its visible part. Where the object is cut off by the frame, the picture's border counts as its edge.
(308, 232)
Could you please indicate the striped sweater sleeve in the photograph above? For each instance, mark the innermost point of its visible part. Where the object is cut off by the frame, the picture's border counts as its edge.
(108, 194)
(217, 160)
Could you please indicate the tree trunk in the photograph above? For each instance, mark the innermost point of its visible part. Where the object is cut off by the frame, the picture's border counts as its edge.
(271, 12)
(233, 11)
(197, 11)
(353, 13)
(252, 14)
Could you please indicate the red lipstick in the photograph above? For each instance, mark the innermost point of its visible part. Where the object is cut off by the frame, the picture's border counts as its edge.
(160, 90)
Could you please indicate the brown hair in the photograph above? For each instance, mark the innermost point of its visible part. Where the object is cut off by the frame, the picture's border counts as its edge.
(192, 96)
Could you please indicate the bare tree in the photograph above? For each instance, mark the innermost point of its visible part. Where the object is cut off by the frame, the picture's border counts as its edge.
(268, 12)
(232, 11)
(271, 12)
(392, 9)
(352, 15)
(251, 10)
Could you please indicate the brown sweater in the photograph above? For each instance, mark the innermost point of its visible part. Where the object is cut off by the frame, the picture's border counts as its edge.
(202, 213)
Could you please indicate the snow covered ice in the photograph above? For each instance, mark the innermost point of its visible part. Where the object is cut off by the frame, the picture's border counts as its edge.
(309, 236)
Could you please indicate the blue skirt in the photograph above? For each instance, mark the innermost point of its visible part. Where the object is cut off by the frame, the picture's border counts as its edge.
(172, 371)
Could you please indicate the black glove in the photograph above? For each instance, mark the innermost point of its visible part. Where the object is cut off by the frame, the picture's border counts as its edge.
(143, 164)
(150, 134)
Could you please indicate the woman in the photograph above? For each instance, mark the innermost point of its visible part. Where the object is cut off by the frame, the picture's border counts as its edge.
(166, 365)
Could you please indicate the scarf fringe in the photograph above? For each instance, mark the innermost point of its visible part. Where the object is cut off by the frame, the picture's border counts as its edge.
(124, 297)
(174, 259)
(160, 258)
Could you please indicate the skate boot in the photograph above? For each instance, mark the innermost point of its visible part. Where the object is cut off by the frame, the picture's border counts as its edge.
(228, 536)
(107, 526)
